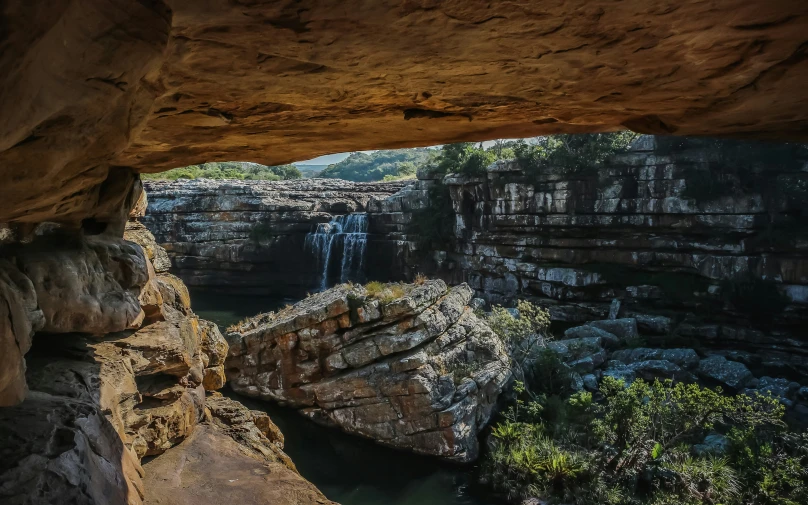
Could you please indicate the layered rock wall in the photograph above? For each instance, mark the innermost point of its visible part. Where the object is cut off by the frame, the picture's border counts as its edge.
(250, 236)
(104, 363)
(727, 269)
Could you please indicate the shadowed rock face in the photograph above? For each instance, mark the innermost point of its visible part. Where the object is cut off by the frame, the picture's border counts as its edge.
(90, 87)
(250, 236)
(414, 370)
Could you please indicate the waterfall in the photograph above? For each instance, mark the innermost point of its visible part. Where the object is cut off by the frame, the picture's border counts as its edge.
(343, 239)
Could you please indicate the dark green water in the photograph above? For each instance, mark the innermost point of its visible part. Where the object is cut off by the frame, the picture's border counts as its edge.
(227, 309)
(347, 469)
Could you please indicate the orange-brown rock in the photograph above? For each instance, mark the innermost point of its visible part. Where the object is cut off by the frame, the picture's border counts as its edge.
(90, 88)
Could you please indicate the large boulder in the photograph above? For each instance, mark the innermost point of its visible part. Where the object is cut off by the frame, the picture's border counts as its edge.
(412, 368)
(730, 374)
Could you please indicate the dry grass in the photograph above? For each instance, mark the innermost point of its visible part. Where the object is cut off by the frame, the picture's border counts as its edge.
(420, 279)
(385, 293)
(374, 289)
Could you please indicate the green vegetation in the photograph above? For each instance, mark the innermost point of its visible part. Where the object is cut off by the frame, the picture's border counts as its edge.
(525, 333)
(571, 153)
(637, 444)
(229, 170)
(378, 165)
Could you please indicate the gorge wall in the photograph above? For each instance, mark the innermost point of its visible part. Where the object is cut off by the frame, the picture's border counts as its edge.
(725, 267)
(105, 364)
(650, 235)
(251, 236)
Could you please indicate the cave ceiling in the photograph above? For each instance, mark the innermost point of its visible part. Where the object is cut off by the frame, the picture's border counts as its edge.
(90, 87)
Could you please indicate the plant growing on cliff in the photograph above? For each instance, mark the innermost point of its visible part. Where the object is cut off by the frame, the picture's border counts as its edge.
(524, 333)
(385, 293)
(571, 153)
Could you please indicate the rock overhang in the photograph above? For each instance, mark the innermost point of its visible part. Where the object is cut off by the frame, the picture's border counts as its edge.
(158, 85)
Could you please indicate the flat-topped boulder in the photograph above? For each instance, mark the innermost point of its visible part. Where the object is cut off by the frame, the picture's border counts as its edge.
(409, 366)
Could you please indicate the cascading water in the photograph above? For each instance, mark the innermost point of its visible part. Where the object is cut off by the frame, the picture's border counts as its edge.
(343, 239)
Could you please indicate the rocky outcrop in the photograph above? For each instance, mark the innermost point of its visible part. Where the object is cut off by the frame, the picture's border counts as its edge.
(83, 98)
(118, 367)
(727, 269)
(250, 236)
(599, 349)
(410, 366)
(236, 456)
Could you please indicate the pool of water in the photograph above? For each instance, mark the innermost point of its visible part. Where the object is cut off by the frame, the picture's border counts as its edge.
(227, 309)
(347, 469)
(354, 471)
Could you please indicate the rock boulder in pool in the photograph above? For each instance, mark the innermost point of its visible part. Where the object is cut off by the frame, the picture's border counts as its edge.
(411, 366)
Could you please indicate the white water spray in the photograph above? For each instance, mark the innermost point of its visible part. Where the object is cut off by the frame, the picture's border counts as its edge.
(344, 238)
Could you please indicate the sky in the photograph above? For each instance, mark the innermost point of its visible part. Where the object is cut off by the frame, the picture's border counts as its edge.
(336, 158)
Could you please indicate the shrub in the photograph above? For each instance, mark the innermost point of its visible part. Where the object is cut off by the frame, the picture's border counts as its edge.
(524, 335)
(571, 153)
(634, 446)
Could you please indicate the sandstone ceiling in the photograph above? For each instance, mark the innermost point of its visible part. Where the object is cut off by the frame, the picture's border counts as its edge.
(91, 86)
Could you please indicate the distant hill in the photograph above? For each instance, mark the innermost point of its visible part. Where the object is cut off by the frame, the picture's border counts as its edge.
(378, 165)
(309, 170)
(229, 170)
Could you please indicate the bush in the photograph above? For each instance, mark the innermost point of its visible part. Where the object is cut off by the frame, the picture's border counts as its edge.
(571, 153)
(635, 446)
(524, 335)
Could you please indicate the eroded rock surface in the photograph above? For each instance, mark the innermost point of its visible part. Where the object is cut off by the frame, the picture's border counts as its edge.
(726, 270)
(118, 372)
(250, 236)
(414, 370)
(276, 82)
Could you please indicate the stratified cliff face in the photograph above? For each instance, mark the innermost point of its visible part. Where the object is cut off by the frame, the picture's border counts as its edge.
(89, 87)
(686, 241)
(651, 235)
(414, 368)
(250, 236)
(103, 364)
